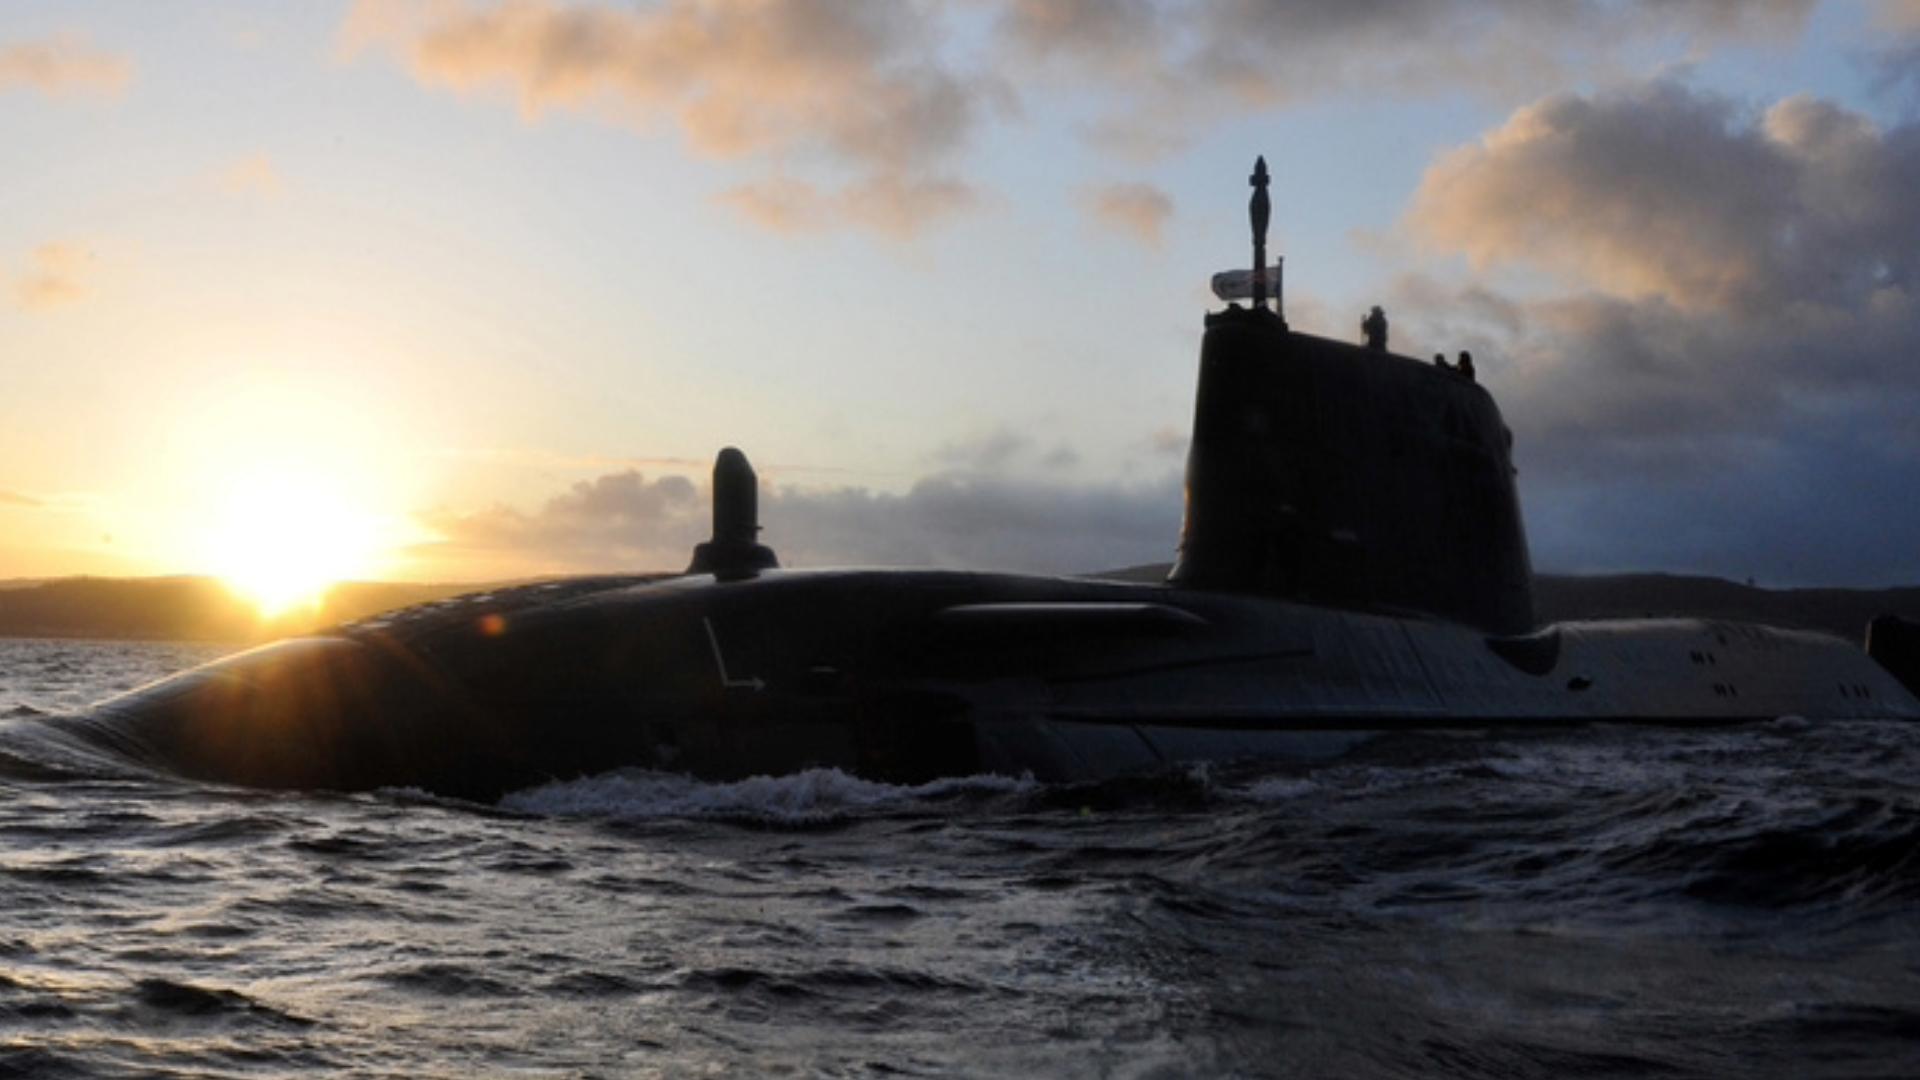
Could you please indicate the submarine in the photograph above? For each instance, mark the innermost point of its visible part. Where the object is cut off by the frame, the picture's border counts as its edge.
(1352, 563)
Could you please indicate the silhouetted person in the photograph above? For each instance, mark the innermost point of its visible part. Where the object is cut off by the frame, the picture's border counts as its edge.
(1440, 361)
(1465, 366)
(1374, 329)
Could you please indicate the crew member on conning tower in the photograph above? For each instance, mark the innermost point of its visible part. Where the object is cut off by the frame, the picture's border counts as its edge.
(1374, 329)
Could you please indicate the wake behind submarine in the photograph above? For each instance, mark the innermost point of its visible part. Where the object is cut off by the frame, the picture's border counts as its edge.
(1352, 562)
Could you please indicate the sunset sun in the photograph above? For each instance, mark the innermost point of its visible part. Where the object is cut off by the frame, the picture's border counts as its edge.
(282, 544)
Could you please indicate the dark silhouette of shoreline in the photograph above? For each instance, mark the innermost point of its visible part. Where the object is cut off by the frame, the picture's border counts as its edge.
(185, 608)
(204, 609)
(1843, 612)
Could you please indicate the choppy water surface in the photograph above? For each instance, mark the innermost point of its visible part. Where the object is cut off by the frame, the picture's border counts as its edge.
(1607, 902)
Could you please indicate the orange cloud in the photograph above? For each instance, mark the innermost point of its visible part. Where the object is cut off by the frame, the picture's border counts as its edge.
(1899, 15)
(55, 278)
(860, 87)
(896, 206)
(1137, 210)
(1664, 192)
(869, 102)
(62, 66)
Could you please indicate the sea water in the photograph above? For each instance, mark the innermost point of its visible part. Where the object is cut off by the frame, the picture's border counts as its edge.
(1599, 902)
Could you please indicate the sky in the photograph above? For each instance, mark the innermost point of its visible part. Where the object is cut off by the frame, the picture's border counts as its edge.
(459, 290)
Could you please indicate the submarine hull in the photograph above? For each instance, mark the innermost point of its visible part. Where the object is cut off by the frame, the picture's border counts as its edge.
(1352, 562)
(905, 676)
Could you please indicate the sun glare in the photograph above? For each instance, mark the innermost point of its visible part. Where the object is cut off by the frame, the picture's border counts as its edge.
(283, 542)
(290, 482)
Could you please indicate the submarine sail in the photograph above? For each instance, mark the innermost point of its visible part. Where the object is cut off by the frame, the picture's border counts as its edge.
(1337, 474)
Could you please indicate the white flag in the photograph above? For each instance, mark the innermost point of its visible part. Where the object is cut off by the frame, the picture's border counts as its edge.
(1238, 284)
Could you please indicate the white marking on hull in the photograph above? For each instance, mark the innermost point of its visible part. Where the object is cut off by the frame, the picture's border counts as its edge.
(751, 682)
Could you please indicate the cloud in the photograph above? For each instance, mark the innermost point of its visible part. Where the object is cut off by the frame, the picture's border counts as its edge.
(1893, 66)
(1182, 64)
(14, 498)
(619, 520)
(981, 523)
(859, 114)
(1001, 451)
(859, 89)
(613, 520)
(1722, 377)
(1060, 457)
(62, 67)
(55, 278)
(1900, 16)
(895, 206)
(989, 452)
(1666, 192)
(253, 175)
(947, 520)
(1140, 211)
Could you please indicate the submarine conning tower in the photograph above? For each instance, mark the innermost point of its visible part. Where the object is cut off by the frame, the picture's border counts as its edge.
(1346, 475)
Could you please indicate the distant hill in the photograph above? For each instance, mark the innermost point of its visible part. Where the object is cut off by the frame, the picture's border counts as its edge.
(184, 608)
(1619, 596)
(1560, 597)
(202, 609)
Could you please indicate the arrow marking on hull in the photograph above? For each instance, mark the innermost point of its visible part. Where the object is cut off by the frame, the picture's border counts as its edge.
(713, 640)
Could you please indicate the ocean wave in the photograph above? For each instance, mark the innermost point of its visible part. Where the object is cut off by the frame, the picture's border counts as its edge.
(65, 748)
(812, 797)
(827, 796)
(1863, 852)
(1279, 789)
(183, 999)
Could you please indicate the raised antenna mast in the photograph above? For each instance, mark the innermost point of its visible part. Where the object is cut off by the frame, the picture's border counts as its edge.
(1259, 210)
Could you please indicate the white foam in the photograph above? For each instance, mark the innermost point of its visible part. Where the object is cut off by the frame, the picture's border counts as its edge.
(1280, 789)
(810, 797)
